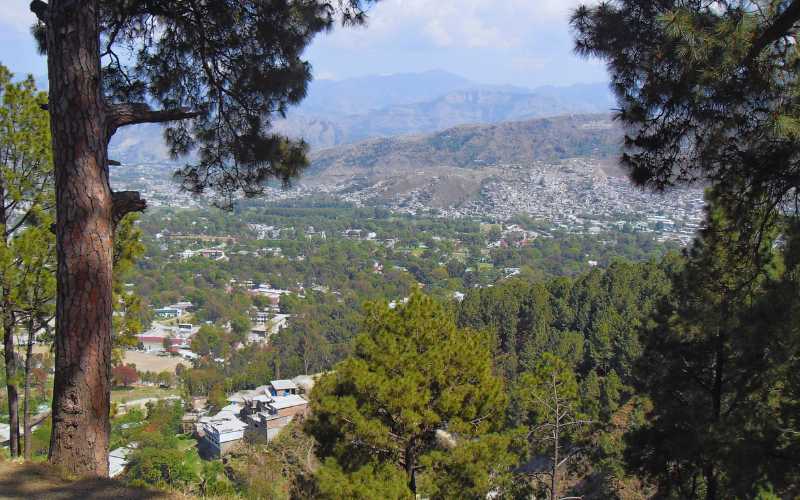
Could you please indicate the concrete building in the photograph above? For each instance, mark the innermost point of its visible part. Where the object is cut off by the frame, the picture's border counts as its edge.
(267, 409)
(271, 414)
(224, 431)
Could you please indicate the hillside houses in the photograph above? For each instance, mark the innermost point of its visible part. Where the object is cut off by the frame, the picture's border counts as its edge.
(162, 338)
(208, 253)
(223, 431)
(254, 415)
(266, 325)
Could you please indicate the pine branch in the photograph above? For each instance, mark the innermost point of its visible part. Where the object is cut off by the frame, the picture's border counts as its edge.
(125, 202)
(777, 30)
(121, 115)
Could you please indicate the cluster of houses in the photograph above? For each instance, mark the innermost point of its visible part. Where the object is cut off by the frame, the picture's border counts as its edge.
(256, 415)
(173, 334)
(208, 253)
(171, 339)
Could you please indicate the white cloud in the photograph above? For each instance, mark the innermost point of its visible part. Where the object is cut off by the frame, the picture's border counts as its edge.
(457, 23)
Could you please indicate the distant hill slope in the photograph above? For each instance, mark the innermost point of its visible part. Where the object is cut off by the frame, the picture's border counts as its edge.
(472, 147)
(481, 105)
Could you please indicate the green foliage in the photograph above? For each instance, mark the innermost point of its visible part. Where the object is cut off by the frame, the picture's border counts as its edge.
(591, 321)
(715, 367)
(131, 314)
(708, 90)
(27, 257)
(473, 469)
(162, 466)
(210, 341)
(40, 438)
(370, 480)
(412, 373)
(161, 458)
(280, 470)
(255, 49)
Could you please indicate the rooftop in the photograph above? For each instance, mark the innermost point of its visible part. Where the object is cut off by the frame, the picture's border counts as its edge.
(281, 402)
(283, 385)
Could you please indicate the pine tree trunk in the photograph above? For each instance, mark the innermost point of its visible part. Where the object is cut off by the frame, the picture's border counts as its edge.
(26, 409)
(84, 235)
(11, 373)
(554, 470)
(410, 463)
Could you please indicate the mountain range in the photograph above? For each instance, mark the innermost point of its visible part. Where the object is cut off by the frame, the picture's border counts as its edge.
(349, 111)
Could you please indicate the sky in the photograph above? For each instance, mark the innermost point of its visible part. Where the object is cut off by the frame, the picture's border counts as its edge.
(516, 42)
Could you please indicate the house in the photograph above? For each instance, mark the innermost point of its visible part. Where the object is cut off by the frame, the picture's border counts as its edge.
(208, 253)
(259, 316)
(283, 388)
(261, 332)
(257, 414)
(267, 409)
(269, 415)
(167, 313)
(160, 338)
(224, 431)
(270, 408)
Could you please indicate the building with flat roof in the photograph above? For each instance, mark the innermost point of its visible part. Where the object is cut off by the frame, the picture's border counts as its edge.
(224, 431)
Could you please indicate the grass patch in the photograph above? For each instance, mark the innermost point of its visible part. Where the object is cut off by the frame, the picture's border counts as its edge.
(124, 395)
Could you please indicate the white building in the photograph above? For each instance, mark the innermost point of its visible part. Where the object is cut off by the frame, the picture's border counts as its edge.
(224, 430)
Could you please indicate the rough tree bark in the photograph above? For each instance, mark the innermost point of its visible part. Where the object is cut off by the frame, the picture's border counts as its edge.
(84, 240)
(87, 211)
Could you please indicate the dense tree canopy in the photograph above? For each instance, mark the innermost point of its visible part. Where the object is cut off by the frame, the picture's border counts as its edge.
(715, 365)
(412, 375)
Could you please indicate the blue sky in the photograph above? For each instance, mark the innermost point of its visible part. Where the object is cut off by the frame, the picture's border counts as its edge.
(518, 42)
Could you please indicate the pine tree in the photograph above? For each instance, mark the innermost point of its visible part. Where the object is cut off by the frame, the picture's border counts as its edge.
(218, 70)
(549, 398)
(25, 194)
(413, 375)
(128, 307)
(34, 294)
(713, 366)
(708, 91)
